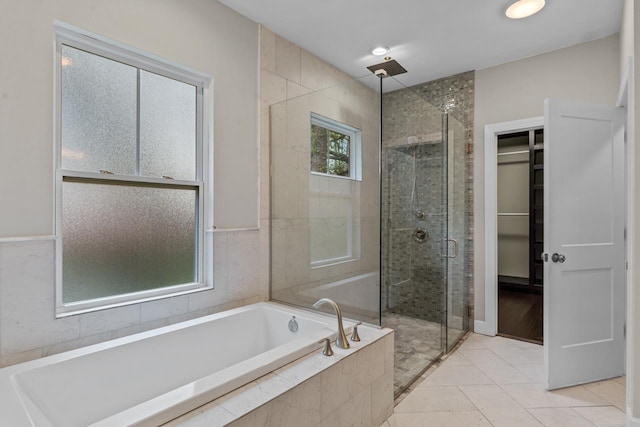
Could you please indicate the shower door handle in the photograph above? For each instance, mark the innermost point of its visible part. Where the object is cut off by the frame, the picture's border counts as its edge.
(455, 252)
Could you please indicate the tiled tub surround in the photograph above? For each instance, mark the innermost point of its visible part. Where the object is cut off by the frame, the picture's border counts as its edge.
(312, 211)
(169, 371)
(352, 387)
(356, 295)
(29, 330)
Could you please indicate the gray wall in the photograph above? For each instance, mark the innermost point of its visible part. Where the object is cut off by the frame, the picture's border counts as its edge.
(201, 34)
(588, 72)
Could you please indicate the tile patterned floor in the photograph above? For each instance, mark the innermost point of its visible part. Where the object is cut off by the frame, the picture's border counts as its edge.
(417, 344)
(495, 381)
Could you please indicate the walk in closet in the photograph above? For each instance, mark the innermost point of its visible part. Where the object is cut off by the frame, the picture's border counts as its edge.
(520, 233)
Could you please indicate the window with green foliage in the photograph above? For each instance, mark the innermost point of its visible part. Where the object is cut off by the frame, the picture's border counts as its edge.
(329, 151)
(334, 148)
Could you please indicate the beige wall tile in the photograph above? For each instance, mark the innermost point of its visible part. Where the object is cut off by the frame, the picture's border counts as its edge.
(287, 60)
(311, 71)
(242, 269)
(273, 88)
(267, 49)
(295, 90)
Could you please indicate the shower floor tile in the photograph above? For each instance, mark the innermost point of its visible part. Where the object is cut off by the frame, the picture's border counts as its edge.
(418, 343)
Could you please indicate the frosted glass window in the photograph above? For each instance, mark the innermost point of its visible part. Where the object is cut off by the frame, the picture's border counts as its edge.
(330, 228)
(130, 189)
(99, 103)
(123, 238)
(167, 127)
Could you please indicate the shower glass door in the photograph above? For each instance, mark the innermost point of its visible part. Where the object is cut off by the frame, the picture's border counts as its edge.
(414, 231)
(425, 224)
(457, 322)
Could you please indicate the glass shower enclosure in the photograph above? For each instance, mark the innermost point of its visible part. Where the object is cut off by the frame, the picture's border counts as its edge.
(325, 198)
(424, 245)
(368, 208)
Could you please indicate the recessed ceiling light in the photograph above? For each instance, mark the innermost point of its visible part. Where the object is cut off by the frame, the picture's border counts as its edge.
(380, 50)
(524, 8)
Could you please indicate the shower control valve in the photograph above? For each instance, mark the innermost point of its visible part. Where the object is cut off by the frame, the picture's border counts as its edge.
(420, 235)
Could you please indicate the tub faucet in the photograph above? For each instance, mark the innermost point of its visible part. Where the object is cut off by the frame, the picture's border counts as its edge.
(341, 341)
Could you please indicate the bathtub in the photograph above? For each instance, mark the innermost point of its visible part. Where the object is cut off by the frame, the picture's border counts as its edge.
(155, 376)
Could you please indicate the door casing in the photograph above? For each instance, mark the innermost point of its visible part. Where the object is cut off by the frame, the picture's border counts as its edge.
(489, 326)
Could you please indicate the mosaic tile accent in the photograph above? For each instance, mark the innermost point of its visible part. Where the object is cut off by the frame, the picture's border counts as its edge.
(412, 128)
(418, 343)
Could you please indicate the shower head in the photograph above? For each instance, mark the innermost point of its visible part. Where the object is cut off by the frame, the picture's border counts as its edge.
(387, 68)
(381, 73)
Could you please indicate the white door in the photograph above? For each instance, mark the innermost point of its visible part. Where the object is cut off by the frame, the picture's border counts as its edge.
(584, 277)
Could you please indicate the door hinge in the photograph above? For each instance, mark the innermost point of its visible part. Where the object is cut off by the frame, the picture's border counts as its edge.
(469, 311)
(624, 331)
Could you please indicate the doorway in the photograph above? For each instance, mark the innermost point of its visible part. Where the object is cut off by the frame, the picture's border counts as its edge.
(520, 191)
(584, 217)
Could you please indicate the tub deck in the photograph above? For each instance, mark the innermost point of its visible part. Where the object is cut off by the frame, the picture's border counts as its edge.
(155, 376)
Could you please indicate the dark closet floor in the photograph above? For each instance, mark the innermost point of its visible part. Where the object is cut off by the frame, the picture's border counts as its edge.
(520, 314)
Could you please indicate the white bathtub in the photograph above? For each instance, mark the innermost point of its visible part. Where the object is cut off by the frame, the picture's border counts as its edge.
(155, 376)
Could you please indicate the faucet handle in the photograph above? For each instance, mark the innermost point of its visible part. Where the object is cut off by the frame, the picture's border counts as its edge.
(327, 351)
(354, 335)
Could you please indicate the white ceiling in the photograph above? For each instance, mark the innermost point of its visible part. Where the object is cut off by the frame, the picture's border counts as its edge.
(430, 38)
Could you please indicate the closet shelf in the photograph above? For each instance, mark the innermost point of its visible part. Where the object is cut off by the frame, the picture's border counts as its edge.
(511, 153)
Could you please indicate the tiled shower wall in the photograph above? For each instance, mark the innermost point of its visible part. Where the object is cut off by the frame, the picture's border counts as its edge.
(412, 125)
(415, 270)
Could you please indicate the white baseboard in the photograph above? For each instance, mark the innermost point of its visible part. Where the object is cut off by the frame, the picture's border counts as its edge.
(481, 327)
(631, 420)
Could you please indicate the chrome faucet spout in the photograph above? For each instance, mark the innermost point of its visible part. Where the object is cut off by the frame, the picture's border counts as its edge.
(341, 341)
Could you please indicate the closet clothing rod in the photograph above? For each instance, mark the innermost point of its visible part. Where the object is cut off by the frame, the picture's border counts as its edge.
(512, 214)
(513, 152)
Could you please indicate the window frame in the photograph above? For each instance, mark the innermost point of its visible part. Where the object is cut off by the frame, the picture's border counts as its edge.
(355, 175)
(95, 44)
(353, 241)
(355, 145)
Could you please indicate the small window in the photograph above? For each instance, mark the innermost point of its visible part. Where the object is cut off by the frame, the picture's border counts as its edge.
(334, 204)
(335, 148)
(130, 175)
